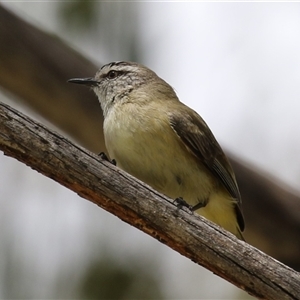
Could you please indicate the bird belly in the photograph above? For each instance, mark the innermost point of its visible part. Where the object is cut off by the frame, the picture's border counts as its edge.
(154, 154)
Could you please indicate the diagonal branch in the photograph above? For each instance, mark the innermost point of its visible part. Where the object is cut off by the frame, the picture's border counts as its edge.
(35, 65)
(137, 204)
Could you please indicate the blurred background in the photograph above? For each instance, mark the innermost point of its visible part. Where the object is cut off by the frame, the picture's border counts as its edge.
(236, 64)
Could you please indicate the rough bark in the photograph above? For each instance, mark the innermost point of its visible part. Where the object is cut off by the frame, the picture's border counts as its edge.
(137, 204)
(35, 65)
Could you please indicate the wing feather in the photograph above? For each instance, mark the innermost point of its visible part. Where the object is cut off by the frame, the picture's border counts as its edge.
(199, 140)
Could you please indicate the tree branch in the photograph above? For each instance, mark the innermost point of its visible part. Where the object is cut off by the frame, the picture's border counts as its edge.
(35, 65)
(137, 204)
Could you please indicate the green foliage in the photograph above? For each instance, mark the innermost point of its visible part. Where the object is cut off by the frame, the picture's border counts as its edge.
(106, 279)
(79, 14)
(108, 27)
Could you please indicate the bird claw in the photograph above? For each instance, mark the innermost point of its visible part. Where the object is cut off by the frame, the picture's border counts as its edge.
(180, 202)
(104, 156)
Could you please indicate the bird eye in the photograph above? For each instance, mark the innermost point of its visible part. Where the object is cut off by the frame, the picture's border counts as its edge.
(112, 74)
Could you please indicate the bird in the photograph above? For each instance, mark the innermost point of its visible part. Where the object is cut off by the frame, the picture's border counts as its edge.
(158, 139)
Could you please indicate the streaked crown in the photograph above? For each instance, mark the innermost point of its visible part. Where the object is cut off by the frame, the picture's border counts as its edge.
(117, 79)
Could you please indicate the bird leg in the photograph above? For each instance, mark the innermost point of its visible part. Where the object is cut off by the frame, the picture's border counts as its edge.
(199, 205)
(180, 202)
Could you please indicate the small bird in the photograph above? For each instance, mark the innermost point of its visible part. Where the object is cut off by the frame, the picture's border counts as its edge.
(161, 141)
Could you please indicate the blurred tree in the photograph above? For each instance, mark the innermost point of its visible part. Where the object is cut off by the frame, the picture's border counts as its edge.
(113, 25)
(33, 67)
(37, 81)
(81, 15)
(105, 279)
(31, 58)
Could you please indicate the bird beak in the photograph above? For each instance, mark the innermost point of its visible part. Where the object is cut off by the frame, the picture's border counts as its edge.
(86, 81)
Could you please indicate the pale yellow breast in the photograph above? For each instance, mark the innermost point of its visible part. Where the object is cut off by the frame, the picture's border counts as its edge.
(144, 145)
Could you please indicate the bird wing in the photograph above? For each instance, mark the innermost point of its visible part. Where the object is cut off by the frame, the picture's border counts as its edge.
(199, 140)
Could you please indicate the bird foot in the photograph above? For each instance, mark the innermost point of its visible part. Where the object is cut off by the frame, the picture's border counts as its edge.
(180, 203)
(104, 156)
